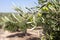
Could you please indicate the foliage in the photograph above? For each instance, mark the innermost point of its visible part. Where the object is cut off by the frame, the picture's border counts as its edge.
(47, 16)
(18, 21)
(10, 26)
(51, 19)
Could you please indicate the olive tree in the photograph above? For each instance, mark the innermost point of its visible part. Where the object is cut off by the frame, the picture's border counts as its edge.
(50, 10)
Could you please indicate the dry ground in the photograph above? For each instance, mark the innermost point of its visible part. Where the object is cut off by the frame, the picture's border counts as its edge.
(31, 35)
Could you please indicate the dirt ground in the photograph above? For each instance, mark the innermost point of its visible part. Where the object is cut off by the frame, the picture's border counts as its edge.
(31, 35)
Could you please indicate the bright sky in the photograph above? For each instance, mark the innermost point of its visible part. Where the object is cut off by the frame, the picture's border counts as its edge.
(6, 5)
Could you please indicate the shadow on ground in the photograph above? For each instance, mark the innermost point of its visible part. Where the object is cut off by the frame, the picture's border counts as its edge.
(18, 35)
(34, 38)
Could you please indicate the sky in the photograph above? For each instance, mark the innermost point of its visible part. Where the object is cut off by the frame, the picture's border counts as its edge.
(7, 5)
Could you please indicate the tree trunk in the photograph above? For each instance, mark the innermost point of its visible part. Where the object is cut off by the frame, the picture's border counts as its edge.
(25, 32)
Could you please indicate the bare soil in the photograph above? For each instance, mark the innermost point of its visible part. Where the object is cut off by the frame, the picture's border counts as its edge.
(31, 35)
